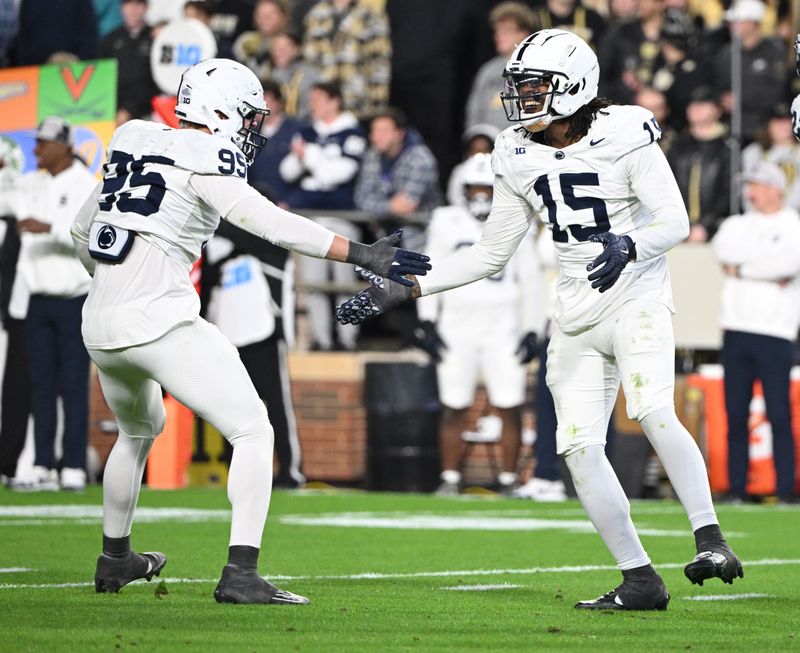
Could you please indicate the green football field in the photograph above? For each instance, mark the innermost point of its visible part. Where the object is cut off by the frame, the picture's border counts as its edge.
(388, 572)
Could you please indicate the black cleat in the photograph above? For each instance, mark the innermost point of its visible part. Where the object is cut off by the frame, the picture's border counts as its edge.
(114, 573)
(718, 561)
(239, 585)
(633, 594)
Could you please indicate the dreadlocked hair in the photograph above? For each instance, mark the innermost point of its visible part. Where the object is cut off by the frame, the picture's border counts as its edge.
(582, 119)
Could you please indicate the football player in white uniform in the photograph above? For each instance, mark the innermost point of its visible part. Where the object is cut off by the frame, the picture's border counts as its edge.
(595, 174)
(161, 198)
(486, 329)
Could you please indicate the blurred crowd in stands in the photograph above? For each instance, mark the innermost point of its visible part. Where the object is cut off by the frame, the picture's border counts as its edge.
(436, 66)
(376, 104)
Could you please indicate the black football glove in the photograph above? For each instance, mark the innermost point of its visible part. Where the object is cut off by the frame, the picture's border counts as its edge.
(373, 301)
(528, 348)
(386, 260)
(426, 337)
(617, 252)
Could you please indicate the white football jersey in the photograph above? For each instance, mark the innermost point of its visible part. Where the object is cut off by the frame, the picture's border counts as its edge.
(146, 184)
(171, 187)
(593, 186)
(510, 295)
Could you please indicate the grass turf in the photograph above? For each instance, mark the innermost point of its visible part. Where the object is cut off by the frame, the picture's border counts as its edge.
(382, 589)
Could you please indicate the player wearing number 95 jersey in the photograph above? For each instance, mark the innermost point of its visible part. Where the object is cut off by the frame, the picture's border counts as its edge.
(161, 198)
(595, 175)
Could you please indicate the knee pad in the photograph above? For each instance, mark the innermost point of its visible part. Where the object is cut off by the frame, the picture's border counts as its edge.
(145, 429)
(139, 437)
(258, 429)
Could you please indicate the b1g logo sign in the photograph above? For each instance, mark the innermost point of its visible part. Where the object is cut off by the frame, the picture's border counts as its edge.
(182, 54)
(182, 43)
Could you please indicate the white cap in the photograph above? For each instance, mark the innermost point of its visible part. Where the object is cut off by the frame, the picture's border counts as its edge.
(746, 10)
(768, 174)
(481, 129)
(54, 128)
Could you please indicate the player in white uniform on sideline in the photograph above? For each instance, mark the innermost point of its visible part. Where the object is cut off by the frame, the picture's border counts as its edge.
(595, 174)
(161, 198)
(487, 329)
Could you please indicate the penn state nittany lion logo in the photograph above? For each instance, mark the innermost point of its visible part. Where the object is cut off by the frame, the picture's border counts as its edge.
(106, 237)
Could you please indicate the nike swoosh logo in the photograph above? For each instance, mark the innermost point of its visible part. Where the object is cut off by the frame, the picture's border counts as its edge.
(592, 143)
(617, 600)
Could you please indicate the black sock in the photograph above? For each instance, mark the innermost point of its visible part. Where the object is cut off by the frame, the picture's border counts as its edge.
(706, 535)
(116, 547)
(639, 573)
(245, 557)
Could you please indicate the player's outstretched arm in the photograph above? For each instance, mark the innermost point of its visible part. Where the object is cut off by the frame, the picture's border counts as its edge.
(243, 206)
(381, 296)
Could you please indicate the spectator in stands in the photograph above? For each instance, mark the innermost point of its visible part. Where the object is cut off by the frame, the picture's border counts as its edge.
(295, 76)
(487, 330)
(398, 177)
(478, 139)
(776, 143)
(47, 27)
(204, 10)
(321, 169)
(130, 46)
(760, 318)
(348, 42)
(9, 18)
(232, 18)
(248, 294)
(700, 160)
(511, 22)
(16, 393)
(108, 15)
(252, 48)
(628, 53)
(51, 272)
(438, 48)
(677, 71)
(264, 173)
(573, 16)
(765, 76)
(620, 11)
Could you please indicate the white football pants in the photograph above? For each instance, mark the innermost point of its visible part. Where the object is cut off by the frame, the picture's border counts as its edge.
(635, 345)
(202, 370)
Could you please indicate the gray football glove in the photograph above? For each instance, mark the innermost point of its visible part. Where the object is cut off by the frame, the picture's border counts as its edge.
(386, 260)
(381, 296)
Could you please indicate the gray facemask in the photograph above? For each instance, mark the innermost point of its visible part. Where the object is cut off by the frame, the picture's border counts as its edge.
(479, 205)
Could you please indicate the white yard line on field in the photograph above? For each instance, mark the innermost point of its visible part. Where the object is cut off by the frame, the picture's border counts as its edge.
(727, 597)
(481, 588)
(769, 562)
(14, 570)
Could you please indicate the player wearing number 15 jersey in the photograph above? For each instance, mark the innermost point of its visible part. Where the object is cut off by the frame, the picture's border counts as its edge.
(161, 198)
(596, 176)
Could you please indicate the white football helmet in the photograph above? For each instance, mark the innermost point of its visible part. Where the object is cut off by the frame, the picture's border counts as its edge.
(226, 97)
(476, 171)
(549, 76)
